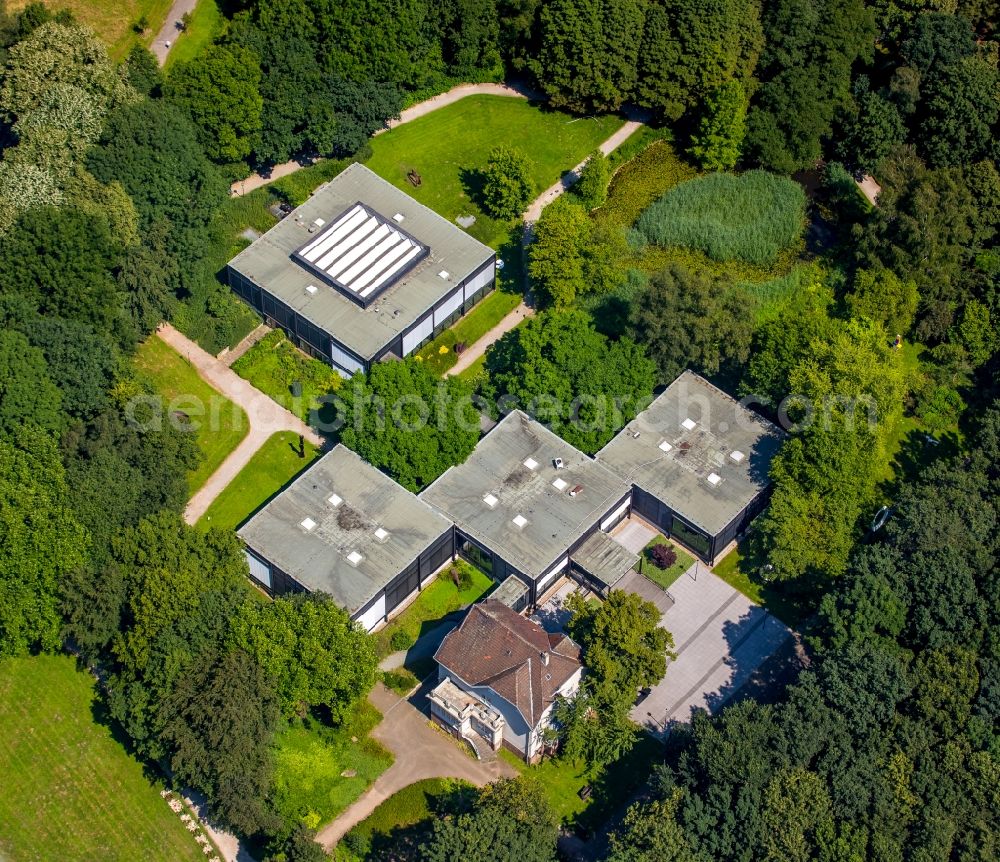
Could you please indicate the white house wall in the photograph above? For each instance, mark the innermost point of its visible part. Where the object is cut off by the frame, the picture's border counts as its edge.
(374, 615)
(616, 514)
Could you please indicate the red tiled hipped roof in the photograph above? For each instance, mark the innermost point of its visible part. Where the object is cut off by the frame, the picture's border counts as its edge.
(496, 647)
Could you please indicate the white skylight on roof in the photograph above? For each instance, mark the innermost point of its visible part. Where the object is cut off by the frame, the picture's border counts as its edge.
(665, 446)
(354, 558)
(308, 524)
(559, 484)
(737, 455)
(490, 500)
(444, 274)
(381, 534)
(714, 478)
(319, 222)
(311, 288)
(519, 521)
(689, 424)
(334, 500)
(398, 217)
(360, 252)
(530, 463)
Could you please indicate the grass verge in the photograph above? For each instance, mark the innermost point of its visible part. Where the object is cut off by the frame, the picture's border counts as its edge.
(296, 381)
(438, 599)
(206, 25)
(321, 770)
(69, 789)
(740, 568)
(664, 578)
(273, 466)
(439, 355)
(218, 423)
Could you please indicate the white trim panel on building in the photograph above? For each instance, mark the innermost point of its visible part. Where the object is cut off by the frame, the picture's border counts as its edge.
(480, 281)
(344, 360)
(259, 570)
(448, 307)
(374, 615)
(551, 573)
(416, 335)
(616, 514)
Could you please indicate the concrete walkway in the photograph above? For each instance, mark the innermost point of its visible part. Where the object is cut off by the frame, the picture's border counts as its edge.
(228, 357)
(170, 29)
(266, 417)
(462, 91)
(421, 751)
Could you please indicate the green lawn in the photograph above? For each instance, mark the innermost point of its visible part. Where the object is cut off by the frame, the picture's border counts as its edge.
(439, 355)
(207, 23)
(438, 599)
(220, 424)
(665, 578)
(275, 366)
(68, 790)
(611, 786)
(274, 465)
(311, 759)
(449, 147)
(475, 371)
(403, 819)
(741, 570)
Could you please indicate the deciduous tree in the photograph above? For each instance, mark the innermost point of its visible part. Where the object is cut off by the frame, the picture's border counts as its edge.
(507, 186)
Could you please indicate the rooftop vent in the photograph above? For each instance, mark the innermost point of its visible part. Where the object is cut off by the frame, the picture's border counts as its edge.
(311, 288)
(519, 521)
(737, 455)
(308, 524)
(381, 534)
(575, 490)
(444, 274)
(636, 435)
(490, 500)
(334, 500)
(354, 558)
(714, 478)
(557, 463)
(665, 446)
(559, 484)
(398, 217)
(689, 424)
(530, 463)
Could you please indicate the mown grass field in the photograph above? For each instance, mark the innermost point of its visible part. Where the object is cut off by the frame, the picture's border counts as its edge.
(112, 20)
(218, 423)
(273, 466)
(207, 23)
(449, 147)
(68, 790)
(310, 759)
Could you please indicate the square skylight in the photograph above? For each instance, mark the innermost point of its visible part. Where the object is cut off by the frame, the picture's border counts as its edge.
(354, 558)
(308, 524)
(559, 484)
(334, 500)
(398, 217)
(519, 521)
(311, 288)
(444, 274)
(490, 500)
(530, 463)
(737, 455)
(319, 222)
(665, 446)
(689, 424)
(381, 534)
(714, 478)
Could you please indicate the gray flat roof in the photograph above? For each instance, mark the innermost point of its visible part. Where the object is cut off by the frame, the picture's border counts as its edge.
(509, 476)
(698, 450)
(346, 501)
(269, 261)
(605, 559)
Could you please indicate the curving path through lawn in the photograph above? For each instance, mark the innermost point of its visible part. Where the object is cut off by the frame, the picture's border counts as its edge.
(167, 37)
(266, 417)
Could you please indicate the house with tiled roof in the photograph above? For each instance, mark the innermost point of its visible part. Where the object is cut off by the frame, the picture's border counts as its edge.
(499, 676)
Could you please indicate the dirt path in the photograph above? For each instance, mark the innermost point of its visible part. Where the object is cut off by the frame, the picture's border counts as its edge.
(255, 181)
(167, 37)
(265, 415)
(870, 188)
(421, 752)
(474, 351)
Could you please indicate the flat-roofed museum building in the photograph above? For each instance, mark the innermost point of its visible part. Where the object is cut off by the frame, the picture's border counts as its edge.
(361, 271)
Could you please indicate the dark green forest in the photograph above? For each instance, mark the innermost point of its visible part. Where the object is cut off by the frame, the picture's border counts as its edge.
(115, 216)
